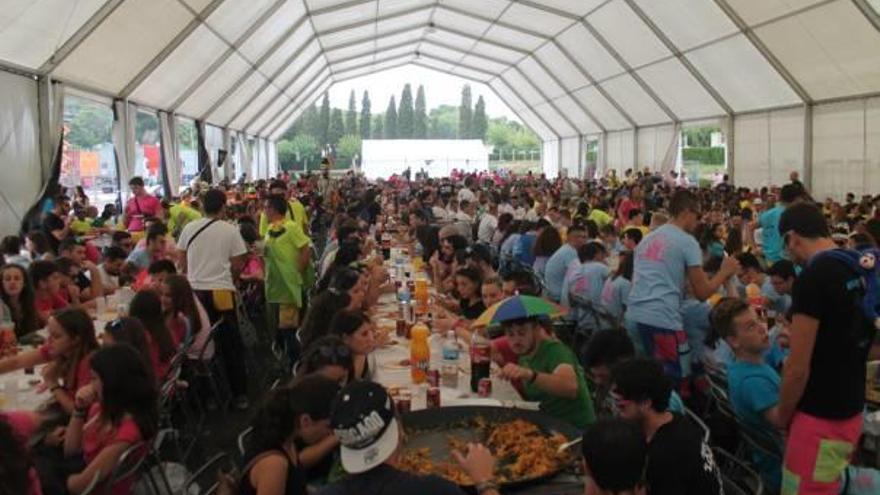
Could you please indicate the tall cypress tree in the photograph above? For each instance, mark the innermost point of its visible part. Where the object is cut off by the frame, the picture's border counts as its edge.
(391, 120)
(337, 127)
(379, 126)
(465, 113)
(324, 121)
(420, 125)
(480, 123)
(351, 118)
(366, 118)
(312, 122)
(405, 114)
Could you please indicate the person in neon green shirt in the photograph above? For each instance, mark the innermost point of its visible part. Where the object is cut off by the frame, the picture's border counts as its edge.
(600, 217)
(288, 262)
(296, 212)
(181, 214)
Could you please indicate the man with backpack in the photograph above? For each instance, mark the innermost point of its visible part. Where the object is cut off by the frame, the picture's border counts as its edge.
(832, 333)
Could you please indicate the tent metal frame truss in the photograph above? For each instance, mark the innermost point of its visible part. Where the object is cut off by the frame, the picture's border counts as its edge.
(567, 68)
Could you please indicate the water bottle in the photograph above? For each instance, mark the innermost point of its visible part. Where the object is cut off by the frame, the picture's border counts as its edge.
(450, 348)
(403, 295)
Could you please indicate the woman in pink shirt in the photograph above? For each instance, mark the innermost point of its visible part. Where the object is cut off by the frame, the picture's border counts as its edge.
(16, 470)
(141, 205)
(117, 410)
(67, 352)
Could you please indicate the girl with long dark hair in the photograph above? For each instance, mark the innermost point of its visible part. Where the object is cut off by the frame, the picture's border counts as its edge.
(17, 295)
(147, 307)
(316, 322)
(615, 292)
(118, 409)
(131, 331)
(67, 351)
(356, 331)
(288, 417)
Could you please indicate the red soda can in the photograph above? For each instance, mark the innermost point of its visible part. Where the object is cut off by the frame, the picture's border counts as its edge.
(434, 378)
(401, 328)
(432, 400)
(403, 402)
(484, 388)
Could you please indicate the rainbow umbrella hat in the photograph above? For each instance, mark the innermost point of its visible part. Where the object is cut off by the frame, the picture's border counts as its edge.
(517, 308)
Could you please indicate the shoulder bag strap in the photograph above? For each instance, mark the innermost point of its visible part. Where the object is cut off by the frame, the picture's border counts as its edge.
(193, 238)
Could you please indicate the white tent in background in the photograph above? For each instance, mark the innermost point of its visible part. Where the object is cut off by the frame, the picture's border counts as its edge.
(794, 85)
(437, 157)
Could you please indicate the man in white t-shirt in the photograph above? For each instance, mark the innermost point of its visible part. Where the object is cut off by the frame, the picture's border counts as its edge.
(211, 251)
(488, 222)
(465, 193)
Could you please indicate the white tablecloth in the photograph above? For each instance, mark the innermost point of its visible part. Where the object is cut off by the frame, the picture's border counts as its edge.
(386, 371)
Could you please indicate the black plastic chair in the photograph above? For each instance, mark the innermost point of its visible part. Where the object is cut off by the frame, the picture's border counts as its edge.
(736, 476)
(204, 480)
(243, 440)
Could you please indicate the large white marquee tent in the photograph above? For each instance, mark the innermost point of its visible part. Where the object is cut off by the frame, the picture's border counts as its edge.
(794, 84)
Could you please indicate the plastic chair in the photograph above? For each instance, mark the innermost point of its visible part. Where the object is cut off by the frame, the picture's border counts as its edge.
(91, 488)
(129, 466)
(211, 370)
(736, 476)
(699, 422)
(204, 480)
(243, 439)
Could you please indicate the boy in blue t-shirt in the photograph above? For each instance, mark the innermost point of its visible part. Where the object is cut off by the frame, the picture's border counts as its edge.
(753, 388)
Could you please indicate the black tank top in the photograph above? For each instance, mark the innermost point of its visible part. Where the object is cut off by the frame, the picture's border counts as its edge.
(296, 478)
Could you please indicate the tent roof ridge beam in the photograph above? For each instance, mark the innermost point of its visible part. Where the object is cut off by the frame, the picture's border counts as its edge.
(629, 70)
(233, 49)
(367, 22)
(870, 14)
(160, 57)
(434, 6)
(548, 9)
(759, 45)
(512, 27)
(592, 82)
(680, 56)
(84, 31)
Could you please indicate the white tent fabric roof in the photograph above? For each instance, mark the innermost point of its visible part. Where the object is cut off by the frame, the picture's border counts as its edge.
(566, 67)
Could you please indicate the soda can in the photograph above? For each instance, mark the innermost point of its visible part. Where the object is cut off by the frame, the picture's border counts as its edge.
(403, 401)
(401, 327)
(434, 378)
(484, 389)
(432, 399)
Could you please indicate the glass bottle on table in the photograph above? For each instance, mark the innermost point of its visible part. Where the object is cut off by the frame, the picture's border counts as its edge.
(481, 357)
(420, 353)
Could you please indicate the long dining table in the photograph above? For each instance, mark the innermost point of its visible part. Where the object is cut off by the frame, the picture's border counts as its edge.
(387, 363)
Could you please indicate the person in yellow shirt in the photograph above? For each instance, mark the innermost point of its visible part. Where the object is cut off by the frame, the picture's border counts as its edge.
(636, 221)
(181, 214)
(81, 224)
(296, 212)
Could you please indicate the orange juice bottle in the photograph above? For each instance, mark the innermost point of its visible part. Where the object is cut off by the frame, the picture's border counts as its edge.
(421, 295)
(419, 353)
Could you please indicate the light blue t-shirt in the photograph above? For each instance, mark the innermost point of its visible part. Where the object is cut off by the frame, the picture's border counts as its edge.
(661, 263)
(139, 258)
(522, 250)
(584, 284)
(753, 389)
(695, 315)
(771, 240)
(775, 301)
(506, 250)
(615, 295)
(554, 270)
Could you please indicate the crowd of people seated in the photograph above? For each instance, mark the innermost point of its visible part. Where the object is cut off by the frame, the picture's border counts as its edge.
(671, 292)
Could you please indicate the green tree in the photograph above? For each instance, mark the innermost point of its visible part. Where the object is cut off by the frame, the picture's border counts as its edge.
(312, 122)
(351, 118)
(337, 127)
(405, 114)
(420, 124)
(391, 120)
(146, 128)
(465, 113)
(378, 130)
(365, 116)
(479, 124)
(186, 135)
(324, 121)
(90, 127)
(349, 147)
(286, 154)
(307, 152)
(443, 122)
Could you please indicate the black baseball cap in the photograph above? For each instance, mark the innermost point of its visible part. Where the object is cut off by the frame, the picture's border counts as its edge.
(363, 421)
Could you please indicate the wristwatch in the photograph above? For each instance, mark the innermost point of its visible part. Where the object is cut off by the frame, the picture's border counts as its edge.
(485, 486)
